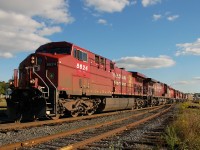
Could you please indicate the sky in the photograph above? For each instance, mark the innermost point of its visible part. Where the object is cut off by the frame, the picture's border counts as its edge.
(158, 38)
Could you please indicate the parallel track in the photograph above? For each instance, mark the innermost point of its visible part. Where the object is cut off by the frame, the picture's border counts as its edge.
(13, 126)
(110, 132)
(119, 125)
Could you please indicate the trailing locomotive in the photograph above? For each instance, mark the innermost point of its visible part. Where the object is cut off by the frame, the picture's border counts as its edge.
(62, 78)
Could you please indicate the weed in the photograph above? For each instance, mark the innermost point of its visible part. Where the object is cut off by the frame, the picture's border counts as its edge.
(184, 131)
(171, 137)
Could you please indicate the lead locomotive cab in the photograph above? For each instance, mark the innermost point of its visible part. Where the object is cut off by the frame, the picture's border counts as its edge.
(51, 83)
(36, 90)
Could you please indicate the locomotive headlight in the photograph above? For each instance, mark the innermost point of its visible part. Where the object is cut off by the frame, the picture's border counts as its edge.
(32, 60)
(11, 83)
(32, 81)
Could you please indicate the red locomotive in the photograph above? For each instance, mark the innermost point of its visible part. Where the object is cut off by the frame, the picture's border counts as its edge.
(61, 78)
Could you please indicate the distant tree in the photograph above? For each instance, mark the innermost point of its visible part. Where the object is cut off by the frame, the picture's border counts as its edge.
(3, 87)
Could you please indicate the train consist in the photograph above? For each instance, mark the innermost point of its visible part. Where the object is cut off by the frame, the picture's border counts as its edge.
(62, 78)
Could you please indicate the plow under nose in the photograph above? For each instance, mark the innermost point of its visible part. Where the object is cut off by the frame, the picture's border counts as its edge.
(13, 110)
(26, 110)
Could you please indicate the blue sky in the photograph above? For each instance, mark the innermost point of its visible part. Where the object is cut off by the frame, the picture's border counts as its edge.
(159, 38)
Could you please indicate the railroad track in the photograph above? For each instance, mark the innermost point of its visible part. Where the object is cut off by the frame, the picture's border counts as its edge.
(150, 135)
(80, 137)
(5, 127)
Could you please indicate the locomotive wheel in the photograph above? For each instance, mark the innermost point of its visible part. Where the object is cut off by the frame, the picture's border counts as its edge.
(56, 117)
(154, 102)
(90, 112)
(74, 113)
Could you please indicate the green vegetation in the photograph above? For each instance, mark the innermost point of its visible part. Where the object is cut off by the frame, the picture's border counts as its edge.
(3, 87)
(184, 132)
(171, 137)
(3, 106)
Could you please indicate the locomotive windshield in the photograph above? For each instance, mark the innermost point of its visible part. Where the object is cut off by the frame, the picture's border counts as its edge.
(57, 50)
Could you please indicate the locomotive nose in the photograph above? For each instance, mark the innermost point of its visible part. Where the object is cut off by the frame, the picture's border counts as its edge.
(25, 105)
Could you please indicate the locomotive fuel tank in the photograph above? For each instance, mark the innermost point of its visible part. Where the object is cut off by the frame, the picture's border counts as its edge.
(119, 104)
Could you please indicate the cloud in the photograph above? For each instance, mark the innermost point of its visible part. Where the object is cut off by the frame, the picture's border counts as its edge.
(157, 17)
(193, 81)
(189, 48)
(132, 63)
(25, 23)
(147, 3)
(55, 10)
(134, 2)
(196, 78)
(181, 83)
(49, 31)
(172, 18)
(102, 21)
(6, 55)
(166, 15)
(108, 6)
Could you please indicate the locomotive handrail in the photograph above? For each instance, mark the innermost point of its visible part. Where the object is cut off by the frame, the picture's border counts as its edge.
(55, 107)
(41, 80)
(50, 81)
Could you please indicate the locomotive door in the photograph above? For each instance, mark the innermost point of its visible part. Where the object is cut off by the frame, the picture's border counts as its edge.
(85, 85)
(76, 85)
(80, 85)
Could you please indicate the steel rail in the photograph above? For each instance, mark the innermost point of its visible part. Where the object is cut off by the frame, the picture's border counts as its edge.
(112, 132)
(39, 140)
(14, 126)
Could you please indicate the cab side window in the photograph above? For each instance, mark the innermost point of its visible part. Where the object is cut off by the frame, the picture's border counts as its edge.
(96, 59)
(102, 61)
(111, 65)
(84, 56)
(80, 55)
(75, 53)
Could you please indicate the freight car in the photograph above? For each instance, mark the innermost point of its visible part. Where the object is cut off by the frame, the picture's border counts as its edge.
(62, 78)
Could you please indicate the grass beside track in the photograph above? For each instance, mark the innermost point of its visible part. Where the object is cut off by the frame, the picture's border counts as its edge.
(184, 132)
(3, 105)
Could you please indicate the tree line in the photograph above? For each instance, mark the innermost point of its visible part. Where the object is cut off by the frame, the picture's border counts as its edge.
(3, 86)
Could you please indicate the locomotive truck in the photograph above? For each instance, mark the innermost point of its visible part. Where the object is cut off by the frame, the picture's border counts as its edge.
(62, 78)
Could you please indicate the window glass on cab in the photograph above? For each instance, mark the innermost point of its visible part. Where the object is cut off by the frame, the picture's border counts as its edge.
(80, 55)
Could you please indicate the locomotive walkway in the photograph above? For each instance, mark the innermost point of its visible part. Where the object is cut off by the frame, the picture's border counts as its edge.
(89, 134)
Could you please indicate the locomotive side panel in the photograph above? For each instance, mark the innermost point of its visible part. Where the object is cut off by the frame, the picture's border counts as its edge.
(74, 72)
(101, 82)
(172, 93)
(123, 82)
(138, 84)
(159, 89)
